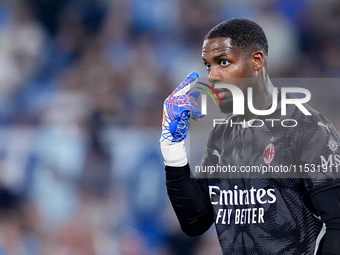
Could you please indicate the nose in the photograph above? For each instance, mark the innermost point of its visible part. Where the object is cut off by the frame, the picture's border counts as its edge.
(214, 75)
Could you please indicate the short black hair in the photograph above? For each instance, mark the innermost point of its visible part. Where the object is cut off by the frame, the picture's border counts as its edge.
(243, 33)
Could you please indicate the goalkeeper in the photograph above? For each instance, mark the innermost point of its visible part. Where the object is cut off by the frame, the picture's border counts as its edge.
(255, 215)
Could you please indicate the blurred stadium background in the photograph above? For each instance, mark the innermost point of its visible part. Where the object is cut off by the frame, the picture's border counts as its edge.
(82, 84)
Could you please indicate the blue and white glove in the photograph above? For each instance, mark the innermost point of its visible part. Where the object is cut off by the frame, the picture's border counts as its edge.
(177, 110)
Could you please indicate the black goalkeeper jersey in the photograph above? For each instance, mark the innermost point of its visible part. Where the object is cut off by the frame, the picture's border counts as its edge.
(263, 205)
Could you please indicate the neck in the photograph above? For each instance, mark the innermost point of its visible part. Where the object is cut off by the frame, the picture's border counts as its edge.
(262, 97)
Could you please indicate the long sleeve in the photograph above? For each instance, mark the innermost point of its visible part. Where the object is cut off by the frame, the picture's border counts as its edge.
(326, 201)
(190, 200)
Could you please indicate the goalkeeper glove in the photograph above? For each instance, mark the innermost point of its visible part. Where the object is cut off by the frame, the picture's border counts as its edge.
(177, 110)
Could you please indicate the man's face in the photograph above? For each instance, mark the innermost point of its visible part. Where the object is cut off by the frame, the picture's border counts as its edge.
(227, 64)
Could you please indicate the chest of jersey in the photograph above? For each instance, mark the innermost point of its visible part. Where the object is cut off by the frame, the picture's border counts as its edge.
(250, 152)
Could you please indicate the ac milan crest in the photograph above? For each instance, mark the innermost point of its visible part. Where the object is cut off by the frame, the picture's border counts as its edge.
(269, 153)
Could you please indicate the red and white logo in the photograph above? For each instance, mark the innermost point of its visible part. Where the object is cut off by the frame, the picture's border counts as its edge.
(269, 153)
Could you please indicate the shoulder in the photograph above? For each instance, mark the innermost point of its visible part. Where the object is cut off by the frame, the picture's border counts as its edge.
(312, 122)
(313, 134)
(221, 125)
(217, 134)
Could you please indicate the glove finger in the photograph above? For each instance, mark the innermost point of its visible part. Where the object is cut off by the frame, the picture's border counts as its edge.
(179, 128)
(195, 111)
(184, 87)
(196, 114)
(194, 95)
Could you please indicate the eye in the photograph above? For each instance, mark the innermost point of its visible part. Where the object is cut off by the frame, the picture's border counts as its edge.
(224, 62)
(207, 65)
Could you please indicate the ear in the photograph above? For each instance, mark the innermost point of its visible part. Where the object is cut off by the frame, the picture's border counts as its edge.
(258, 60)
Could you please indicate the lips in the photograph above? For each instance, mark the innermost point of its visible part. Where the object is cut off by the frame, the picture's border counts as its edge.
(223, 93)
(221, 90)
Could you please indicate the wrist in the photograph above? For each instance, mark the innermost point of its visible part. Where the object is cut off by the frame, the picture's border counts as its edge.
(174, 153)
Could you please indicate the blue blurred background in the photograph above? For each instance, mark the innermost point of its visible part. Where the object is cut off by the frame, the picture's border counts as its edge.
(82, 84)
